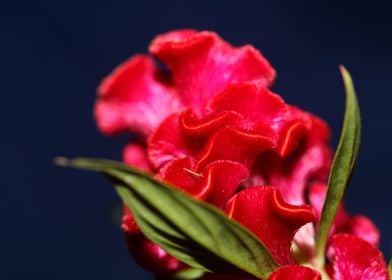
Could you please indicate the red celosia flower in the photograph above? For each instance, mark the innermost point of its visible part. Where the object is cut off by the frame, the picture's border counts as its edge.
(210, 125)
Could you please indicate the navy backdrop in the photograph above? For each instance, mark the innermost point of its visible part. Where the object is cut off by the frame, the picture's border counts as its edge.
(57, 223)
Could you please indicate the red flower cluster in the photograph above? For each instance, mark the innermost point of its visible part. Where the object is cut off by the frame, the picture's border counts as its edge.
(210, 125)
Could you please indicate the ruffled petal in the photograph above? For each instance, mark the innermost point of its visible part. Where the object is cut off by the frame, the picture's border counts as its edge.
(300, 159)
(295, 272)
(236, 144)
(268, 216)
(257, 105)
(194, 127)
(216, 184)
(167, 143)
(134, 98)
(223, 178)
(252, 101)
(291, 134)
(203, 64)
(354, 258)
(179, 173)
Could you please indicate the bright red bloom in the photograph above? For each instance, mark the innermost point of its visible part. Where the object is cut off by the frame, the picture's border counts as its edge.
(295, 272)
(210, 125)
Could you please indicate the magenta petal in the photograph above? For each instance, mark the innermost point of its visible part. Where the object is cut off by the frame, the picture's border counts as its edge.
(167, 143)
(223, 179)
(215, 184)
(353, 258)
(269, 217)
(129, 224)
(302, 155)
(203, 64)
(135, 154)
(195, 128)
(295, 272)
(316, 195)
(253, 101)
(133, 98)
(364, 228)
(235, 144)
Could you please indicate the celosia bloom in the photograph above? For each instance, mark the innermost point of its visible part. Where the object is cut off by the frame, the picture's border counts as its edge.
(209, 124)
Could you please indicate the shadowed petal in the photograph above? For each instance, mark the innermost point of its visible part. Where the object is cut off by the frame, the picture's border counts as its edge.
(152, 257)
(268, 216)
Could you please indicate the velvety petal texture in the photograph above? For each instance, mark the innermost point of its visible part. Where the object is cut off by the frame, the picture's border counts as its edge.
(203, 118)
(216, 183)
(134, 98)
(197, 58)
(295, 272)
(269, 217)
(355, 259)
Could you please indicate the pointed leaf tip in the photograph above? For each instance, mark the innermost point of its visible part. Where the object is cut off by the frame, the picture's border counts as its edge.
(342, 69)
(62, 161)
(343, 164)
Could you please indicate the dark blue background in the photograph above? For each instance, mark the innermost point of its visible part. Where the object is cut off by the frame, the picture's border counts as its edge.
(56, 223)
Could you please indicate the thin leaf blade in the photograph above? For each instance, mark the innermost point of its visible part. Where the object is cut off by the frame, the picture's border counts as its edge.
(190, 230)
(188, 274)
(342, 166)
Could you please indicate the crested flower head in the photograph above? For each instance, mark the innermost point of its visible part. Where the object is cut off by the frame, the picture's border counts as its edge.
(206, 121)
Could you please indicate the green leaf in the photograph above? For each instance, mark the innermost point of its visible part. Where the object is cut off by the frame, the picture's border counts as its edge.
(195, 232)
(189, 274)
(390, 268)
(342, 166)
